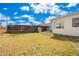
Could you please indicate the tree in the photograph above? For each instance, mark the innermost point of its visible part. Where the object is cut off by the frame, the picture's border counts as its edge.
(1, 28)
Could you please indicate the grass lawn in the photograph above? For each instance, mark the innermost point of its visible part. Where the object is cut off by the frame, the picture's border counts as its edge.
(36, 44)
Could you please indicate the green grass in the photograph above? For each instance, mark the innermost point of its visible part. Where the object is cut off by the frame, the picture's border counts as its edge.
(36, 44)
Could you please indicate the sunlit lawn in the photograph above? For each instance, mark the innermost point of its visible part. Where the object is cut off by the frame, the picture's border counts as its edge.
(35, 44)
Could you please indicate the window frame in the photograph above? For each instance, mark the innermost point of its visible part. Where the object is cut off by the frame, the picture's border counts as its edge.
(75, 22)
(60, 25)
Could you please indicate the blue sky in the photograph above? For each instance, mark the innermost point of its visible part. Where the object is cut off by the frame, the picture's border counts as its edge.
(34, 13)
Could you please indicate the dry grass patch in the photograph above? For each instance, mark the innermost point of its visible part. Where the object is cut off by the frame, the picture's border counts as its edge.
(38, 44)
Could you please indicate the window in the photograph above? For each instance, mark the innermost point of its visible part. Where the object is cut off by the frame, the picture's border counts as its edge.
(59, 25)
(75, 22)
(53, 25)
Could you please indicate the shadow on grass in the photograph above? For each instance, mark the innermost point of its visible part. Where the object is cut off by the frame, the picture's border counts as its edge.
(65, 38)
(18, 32)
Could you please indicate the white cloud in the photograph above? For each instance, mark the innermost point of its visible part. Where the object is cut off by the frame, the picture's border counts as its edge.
(47, 20)
(5, 8)
(31, 20)
(71, 4)
(4, 18)
(15, 13)
(24, 8)
(1, 16)
(36, 22)
(12, 22)
(29, 17)
(8, 19)
(38, 8)
(21, 21)
(63, 13)
(16, 17)
(25, 16)
(44, 8)
(26, 23)
(51, 8)
(54, 10)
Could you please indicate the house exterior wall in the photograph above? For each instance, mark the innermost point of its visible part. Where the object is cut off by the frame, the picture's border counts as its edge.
(68, 29)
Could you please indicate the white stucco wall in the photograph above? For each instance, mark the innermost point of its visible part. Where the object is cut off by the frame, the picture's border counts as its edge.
(68, 29)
